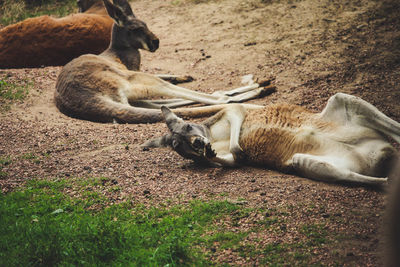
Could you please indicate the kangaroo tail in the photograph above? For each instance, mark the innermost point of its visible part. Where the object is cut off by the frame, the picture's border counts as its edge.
(111, 111)
(129, 114)
(103, 110)
(197, 112)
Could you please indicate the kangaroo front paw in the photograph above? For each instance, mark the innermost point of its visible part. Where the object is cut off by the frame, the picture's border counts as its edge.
(203, 148)
(209, 152)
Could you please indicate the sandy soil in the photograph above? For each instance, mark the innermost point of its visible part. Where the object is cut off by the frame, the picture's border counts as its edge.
(311, 48)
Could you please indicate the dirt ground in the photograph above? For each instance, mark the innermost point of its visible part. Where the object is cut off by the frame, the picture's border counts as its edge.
(312, 49)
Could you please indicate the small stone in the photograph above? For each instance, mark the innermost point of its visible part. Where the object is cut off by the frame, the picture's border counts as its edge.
(146, 192)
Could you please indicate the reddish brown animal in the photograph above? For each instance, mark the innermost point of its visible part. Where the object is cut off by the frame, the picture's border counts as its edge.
(47, 41)
(110, 88)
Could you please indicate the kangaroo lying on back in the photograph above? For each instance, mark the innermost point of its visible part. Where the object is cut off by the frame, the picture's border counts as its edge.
(345, 142)
(108, 87)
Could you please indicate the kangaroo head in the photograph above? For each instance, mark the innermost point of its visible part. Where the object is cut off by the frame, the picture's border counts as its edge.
(188, 139)
(128, 31)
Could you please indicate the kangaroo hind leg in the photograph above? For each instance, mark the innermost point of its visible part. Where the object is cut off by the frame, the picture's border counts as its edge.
(144, 86)
(235, 95)
(175, 79)
(320, 168)
(351, 109)
(108, 110)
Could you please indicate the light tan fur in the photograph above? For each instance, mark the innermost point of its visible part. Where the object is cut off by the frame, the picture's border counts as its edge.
(48, 41)
(347, 141)
(272, 135)
(109, 87)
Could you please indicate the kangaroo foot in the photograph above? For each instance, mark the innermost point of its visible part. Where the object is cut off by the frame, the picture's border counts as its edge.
(179, 79)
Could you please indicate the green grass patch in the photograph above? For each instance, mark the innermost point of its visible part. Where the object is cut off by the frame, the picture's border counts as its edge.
(12, 11)
(297, 253)
(11, 92)
(43, 226)
(270, 221)
(29, 156)
(72, 222)
(4, 161)
(226, 239)
(316, 234)
(276, 254)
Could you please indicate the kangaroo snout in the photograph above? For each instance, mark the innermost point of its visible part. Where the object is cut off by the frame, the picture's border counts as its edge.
(154, 44)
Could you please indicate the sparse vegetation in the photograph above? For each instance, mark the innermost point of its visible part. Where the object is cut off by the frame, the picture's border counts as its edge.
(3, 162)
(11, 91)
(315, 233)
(312, 50)
(12, 11)
(43, 224)
(28, 156)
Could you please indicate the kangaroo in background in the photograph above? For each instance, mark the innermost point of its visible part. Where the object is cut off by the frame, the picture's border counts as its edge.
(108, 87)
(346, 142)
(391, 240)
(48, 41)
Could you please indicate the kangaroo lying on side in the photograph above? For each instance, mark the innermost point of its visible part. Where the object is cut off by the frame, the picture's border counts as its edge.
(345, 142)
(108, 87)
(48, 41)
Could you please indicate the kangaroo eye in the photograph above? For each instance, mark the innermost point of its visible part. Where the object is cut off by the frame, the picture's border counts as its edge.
(175, 144)
(188, 127)
(135, 32)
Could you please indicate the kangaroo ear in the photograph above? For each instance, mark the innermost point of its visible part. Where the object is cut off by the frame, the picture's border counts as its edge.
(116, 12)
(125, 7)
(163, 141)
(171, 119)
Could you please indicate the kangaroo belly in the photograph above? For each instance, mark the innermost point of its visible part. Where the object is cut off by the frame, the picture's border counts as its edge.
(273, 147)
(271, 136)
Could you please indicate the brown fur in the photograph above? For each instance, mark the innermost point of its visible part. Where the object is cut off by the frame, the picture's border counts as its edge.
(271, 136)
(346, 142)
(93, 76)
(109, 87)
(47, 41)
